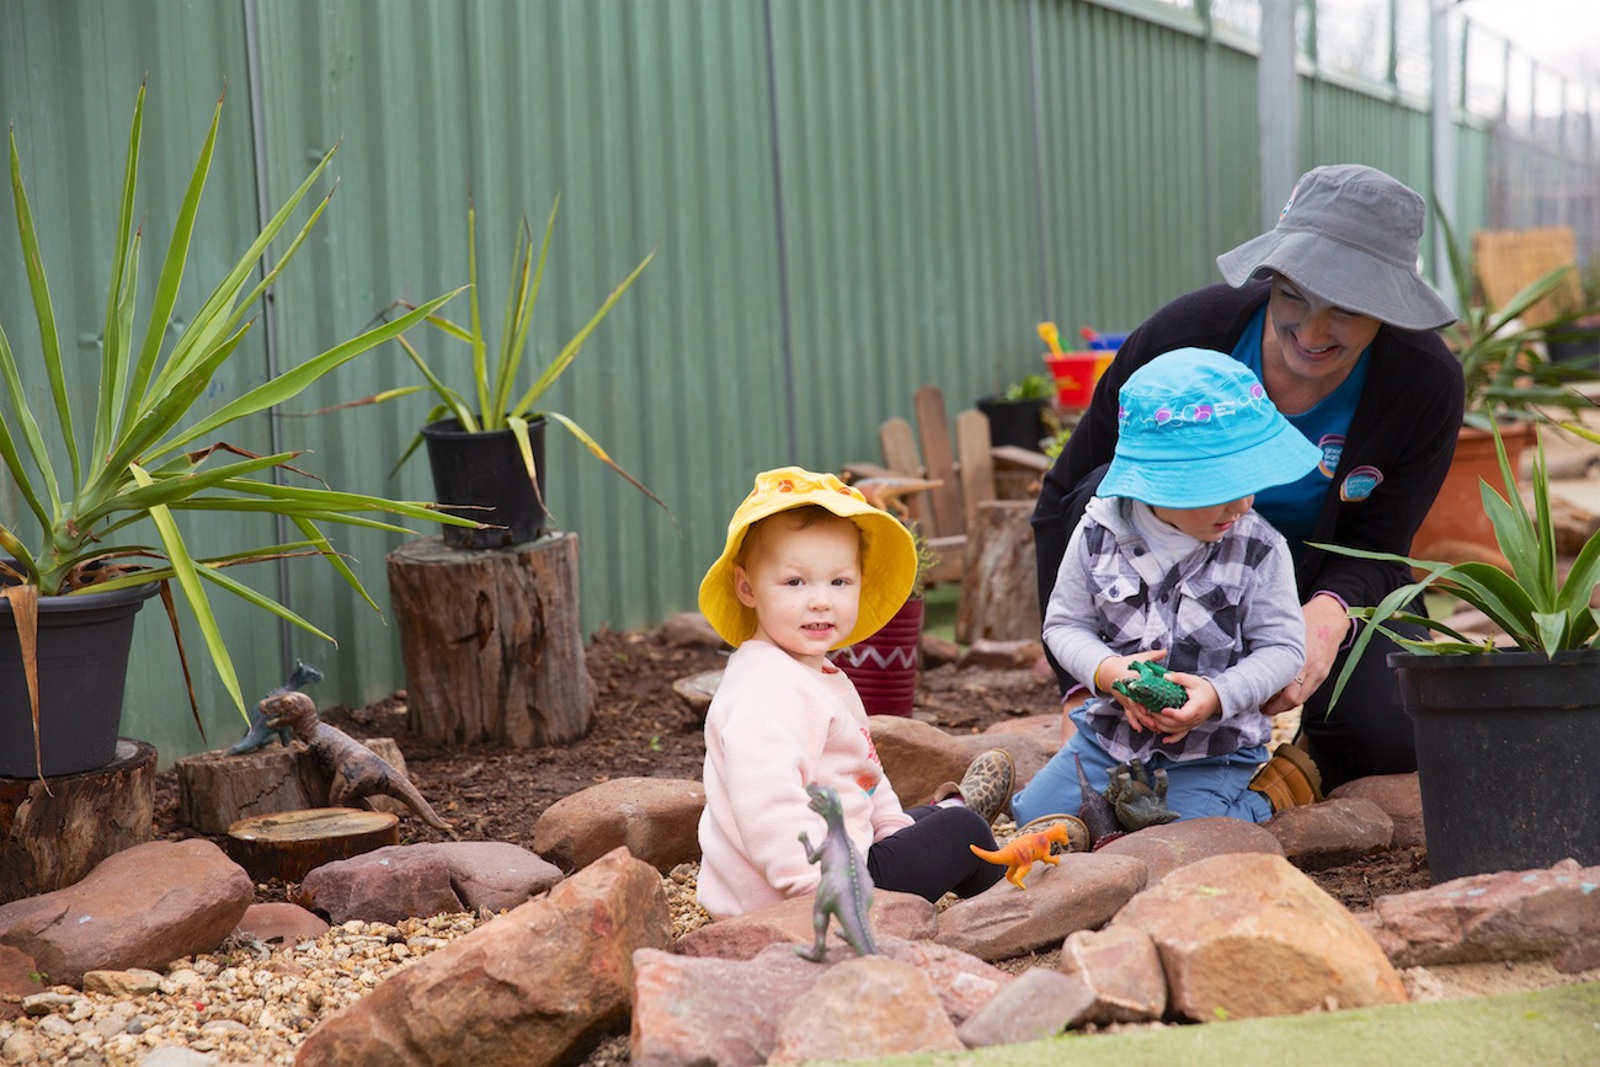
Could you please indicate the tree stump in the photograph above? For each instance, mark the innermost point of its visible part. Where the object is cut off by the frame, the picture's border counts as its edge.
(289, 844)
(492, 641)
(50, 838)
(999, 595)
(216, 790)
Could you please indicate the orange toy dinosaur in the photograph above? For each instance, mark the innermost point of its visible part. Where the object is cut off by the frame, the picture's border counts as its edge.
(1023, 852)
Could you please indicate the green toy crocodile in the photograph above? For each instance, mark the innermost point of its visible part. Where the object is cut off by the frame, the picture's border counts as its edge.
(1151, 688)
(846, 889)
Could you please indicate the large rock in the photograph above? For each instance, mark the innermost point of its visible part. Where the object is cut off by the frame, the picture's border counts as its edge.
(19, 977)
(655, 819)
(142, 907)
(1248, 935)
(918, 758)
(1164, 849)
(1122, 969)
(1039, 1004)
(1081, 892)
(539, 985)
(900, 915)
(1508, 915)
(1317, 836)
(1398, 795)
(280, 923)
(414, 881)
(863, 1009)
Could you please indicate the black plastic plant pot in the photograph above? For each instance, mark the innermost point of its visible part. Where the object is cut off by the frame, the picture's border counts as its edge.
(1507, 746)
(485, 471)
(83, 670)
(1015, 422)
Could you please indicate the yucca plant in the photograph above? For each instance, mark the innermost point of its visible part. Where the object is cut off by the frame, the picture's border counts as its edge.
(148, 454)
(1533, 606)
(491, 405)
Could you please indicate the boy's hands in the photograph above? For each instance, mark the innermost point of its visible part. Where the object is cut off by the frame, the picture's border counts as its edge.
(1172, 723)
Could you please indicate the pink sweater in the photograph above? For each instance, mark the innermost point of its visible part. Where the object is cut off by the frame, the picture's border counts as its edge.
(774, 725)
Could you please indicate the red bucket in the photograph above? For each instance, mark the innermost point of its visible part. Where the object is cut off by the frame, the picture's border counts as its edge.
(1075, 375)
(884, 666)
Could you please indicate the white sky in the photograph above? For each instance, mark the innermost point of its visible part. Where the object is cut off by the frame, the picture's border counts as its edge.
(1563, 33)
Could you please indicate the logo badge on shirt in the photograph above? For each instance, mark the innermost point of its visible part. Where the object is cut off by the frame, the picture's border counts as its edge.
(1332, 445)
(1359, 484)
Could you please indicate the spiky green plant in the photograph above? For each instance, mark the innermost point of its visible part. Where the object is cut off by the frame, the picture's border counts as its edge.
(150, 454)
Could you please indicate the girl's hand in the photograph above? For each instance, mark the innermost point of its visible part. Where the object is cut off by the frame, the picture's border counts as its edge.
(1203, 704)
(1327, 624)
(1115, 669)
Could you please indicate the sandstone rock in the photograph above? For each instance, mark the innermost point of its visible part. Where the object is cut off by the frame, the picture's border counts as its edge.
(19, 977)
(962, 982)
(1002, 655)
(1082, 891)
(656, 819)
(130, 983)
(414, 881)
(918, 758)
(1318, 836)
(1122, 969)
(938, 651)
(537, 986)
(862, 1009)
(1045, 729)
(1164, 849)
(1398, 795)
(897, 915)
(279, 923)
(689, 629)
(142, 907)
(1249, 935)
(697, 690)
(1575, 959)
(1039, 1004)
(1501, 916)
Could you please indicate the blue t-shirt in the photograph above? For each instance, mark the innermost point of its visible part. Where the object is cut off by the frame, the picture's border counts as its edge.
(1293, 508)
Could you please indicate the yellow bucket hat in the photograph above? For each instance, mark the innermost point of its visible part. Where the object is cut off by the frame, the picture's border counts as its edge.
(888, 554)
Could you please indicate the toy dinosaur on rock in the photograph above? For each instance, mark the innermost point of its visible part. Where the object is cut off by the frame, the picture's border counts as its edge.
(845, 892)
(261, 734)
(1022, 852)
(356, 772)
(1138, 796)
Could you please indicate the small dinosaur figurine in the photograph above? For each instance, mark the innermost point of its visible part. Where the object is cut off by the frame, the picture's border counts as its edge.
(261, 734)
(1151, 688)
(846, 889)
(1140, 798)
(1021, 853)
(1096, 812)
(355, 770)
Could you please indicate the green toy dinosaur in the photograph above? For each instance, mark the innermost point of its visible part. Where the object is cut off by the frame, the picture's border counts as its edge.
(846, 889)
(1151, 688)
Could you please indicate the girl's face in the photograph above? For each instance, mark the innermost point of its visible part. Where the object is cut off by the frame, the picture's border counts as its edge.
(804, 584)
(1316, 341)
(1206, 524)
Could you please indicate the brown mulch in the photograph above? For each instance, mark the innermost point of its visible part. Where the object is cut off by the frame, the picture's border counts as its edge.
(643, 729)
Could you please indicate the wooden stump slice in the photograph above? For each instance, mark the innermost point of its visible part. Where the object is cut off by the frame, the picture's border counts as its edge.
(52, 837)
(288, 844)
(216, 790)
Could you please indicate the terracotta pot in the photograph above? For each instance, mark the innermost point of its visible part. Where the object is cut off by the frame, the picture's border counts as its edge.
(884, 666)
(1457, 520)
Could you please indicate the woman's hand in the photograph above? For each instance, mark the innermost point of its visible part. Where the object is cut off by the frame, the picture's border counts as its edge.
(1327, 624)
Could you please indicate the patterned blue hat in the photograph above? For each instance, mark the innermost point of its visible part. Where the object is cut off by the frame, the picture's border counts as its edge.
(1195, 428)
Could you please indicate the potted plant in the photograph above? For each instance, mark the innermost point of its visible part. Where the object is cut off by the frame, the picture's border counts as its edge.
(1510, 381)
(486, 450)
(1507, 730)
(1016, 416)
(884, 665)
(107, 505)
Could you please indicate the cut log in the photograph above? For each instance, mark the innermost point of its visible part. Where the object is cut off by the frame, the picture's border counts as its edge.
(52, 833)
(492, 641)
(290, 843)
(216, 790)
(999, 595)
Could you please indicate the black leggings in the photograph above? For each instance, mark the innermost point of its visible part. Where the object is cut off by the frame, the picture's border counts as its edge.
(930, 857)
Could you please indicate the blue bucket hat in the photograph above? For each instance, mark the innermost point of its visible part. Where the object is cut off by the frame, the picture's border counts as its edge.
(1195, 428)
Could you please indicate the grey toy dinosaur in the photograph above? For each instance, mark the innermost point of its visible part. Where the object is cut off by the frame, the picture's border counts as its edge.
(261, 734)
(846, 889)
(356, 772)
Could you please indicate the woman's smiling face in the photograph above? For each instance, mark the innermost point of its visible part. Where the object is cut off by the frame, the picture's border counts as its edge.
(1317, 342)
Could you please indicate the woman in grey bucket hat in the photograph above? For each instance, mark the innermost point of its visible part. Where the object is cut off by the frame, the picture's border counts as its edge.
(1330, 313)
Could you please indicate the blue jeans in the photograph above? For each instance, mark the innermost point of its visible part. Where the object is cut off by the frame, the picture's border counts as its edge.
(1217, 785)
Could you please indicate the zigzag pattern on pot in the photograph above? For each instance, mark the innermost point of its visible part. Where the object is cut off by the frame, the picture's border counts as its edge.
(868, 656)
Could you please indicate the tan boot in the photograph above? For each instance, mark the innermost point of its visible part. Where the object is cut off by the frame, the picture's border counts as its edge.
(1289, 779)
(986, 787)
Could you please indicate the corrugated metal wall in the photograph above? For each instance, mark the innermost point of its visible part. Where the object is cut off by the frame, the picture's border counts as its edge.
(846, 199)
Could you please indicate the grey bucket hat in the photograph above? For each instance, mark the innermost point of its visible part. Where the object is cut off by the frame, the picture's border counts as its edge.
(1348, 235)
